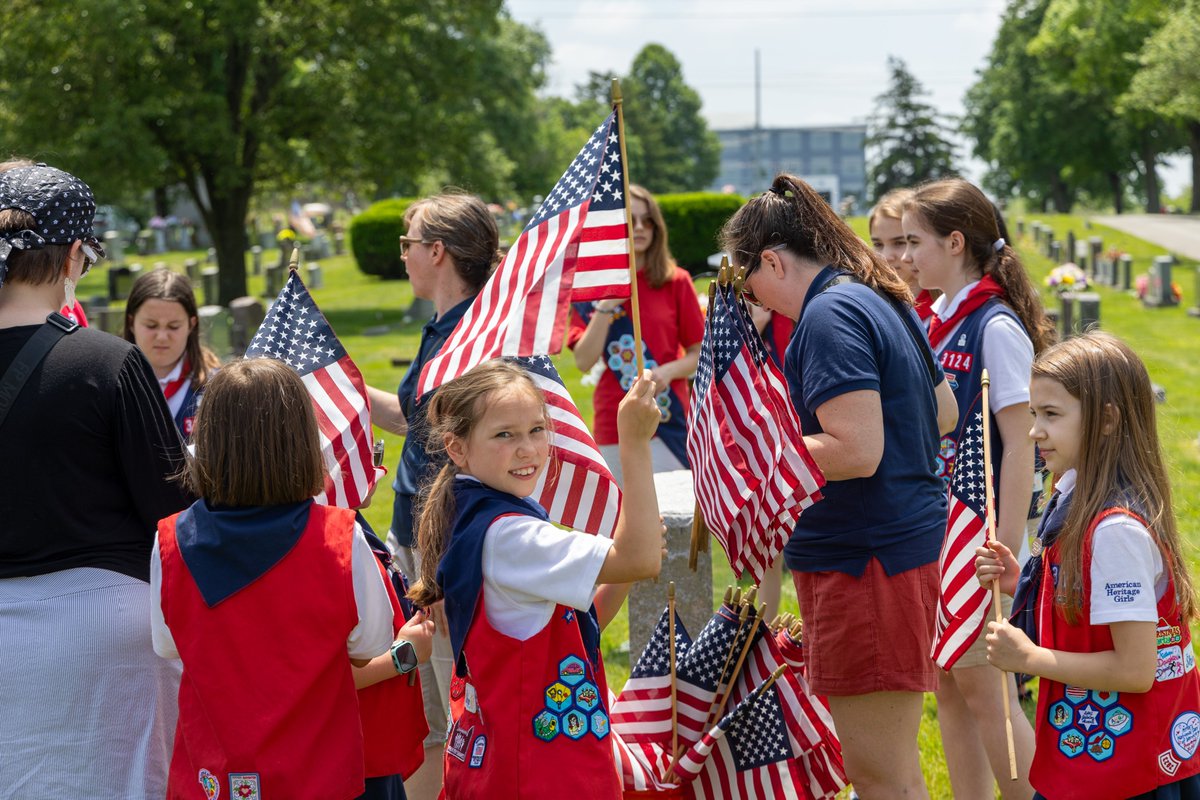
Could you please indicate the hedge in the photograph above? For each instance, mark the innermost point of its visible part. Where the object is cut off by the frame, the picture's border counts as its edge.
(694, 220)
(375, 237)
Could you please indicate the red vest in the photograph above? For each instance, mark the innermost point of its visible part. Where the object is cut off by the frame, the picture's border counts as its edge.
(530, 719)
(393, 715)
(267, 706)
(1100, 744)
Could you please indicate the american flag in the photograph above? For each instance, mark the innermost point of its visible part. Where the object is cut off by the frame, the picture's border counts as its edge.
(823, 761)
(753, 475)
(575, 248)
(297, 333)
(706, 670)
(576, 489)
(962, 602)
(643, 711)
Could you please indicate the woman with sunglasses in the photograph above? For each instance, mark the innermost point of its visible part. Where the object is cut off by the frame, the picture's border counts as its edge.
(672, 329)
(450, 250)
(86, 707)
(872, 403)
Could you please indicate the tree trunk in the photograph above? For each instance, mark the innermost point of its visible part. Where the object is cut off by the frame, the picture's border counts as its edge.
(1061, 194)
(1194, 144)
(1150, 162)
(229, 240)
(1118, 192)
(161, 207)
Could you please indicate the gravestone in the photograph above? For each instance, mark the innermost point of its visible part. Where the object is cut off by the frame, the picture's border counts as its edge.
(215, 329)
(1056, 252)
(1071, 251)
(1048, 244)
(246, 315)
(1020, 226)
(693, 590)
(114, 247)
(210, 278)
(420, 310)
(1096, 247)
(276, 275)
(1159, 293)
(120, 281)
(192, 267)
(339, 243)
(256, 259)
(1126, 270)
(1089, 311)
(312, 275)
(1066, 315)
(110, 319)
(145, 242)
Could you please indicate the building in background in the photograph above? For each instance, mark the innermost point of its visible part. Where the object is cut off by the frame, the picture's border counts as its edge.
(831, 159)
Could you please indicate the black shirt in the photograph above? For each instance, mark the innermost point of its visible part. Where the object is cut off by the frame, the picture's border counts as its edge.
(85, 456)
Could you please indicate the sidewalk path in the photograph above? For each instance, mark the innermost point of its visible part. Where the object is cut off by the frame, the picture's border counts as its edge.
(1177, 233)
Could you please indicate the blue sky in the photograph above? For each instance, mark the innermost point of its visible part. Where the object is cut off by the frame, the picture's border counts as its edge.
(823, 61)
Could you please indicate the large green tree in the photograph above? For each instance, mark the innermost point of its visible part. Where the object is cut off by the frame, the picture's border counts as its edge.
(221, 95)
(908, 141)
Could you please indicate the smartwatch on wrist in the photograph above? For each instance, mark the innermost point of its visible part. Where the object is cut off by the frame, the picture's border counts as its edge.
(404, 656)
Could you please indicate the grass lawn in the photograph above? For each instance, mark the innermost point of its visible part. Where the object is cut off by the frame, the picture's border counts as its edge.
(360, 306)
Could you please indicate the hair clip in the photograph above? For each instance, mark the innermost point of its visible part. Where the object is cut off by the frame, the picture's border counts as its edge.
(998, 245)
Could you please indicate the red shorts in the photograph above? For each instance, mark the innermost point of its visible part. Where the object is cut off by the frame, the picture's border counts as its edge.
(869, 634)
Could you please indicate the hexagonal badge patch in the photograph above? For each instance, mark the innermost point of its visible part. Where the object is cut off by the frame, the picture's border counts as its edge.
(600, 724)
(1100, 746)
(1118, 720)
(546, 726)
(1060, 715)
(558, 696)
(1071, 743)
(575, 724)
(587, 696)
(572, 670)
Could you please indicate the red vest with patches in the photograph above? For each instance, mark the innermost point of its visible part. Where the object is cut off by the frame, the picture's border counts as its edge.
(393, 714)
(267, 701)
(1100, 744)
(529, 719)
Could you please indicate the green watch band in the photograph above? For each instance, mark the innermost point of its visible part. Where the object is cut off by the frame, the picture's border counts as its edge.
(404, 656)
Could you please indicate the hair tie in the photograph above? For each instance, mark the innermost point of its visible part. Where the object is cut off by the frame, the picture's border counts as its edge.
(999, 244)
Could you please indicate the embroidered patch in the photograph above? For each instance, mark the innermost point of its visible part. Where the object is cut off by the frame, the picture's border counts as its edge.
(210, 785)
(545, 726)
(1170, 664)
(572, 670)
(456, 744)
(558, 696)
(1189, 658)
(957, 360)
(1075, 695)
(962, 340)
(1070, 743)
(1088, 717)
(477, 751)
(587, 696)
(944, 463)
(1118, 721)
(1168, 763)
(244, 786)
(1167, 634)
(1100, 746)
(1060, 715)
(470, 699)
(457, 685)
(600, 724)
(575, 724)
(569, 615)
(1185, 734)
(1105, 699)
(1035, 547)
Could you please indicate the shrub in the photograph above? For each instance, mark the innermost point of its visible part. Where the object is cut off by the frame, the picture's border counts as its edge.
(693, 221)
(375, 237)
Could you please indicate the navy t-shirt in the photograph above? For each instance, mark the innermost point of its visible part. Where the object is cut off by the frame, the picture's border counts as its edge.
(416, 466)
(848, 339)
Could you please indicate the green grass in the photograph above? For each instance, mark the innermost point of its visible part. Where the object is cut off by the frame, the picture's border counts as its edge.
(1165, 338)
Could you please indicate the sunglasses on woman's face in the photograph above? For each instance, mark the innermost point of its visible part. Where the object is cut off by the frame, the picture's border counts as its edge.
(748, 293)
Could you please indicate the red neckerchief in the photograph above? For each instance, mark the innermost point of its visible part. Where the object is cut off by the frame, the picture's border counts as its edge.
(923, 305)
(985, 290)
(172, 388)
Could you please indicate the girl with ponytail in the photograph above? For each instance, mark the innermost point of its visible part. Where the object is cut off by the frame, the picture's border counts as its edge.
(989, 316)
(524, 600)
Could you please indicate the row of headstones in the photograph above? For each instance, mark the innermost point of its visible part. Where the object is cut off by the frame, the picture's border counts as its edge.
(225, 331)
(318, 248)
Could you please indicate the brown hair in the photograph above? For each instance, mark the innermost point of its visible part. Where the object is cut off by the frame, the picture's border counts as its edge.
(952, 205)
(891, 206)
(1123, 466)
(175, 287)
(793, 214)
(465, 227)
(452, 413)
(256, 438)
(658, 264)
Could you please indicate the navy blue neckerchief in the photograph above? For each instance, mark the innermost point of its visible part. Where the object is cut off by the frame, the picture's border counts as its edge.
(227, 549)
(672, 430)
(460, 572)
(1025, 599)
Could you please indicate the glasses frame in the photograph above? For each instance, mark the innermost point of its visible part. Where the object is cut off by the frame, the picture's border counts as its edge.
(747, 292)
(92, 254)
(408, 241)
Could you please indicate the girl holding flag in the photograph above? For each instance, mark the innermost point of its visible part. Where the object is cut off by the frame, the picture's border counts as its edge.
(988, 316)
(672, 329)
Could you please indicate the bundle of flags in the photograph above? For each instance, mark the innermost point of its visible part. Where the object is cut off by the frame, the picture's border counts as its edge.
(776, 740)
(962, 602)
(753, 475)
(575, 248)
(297, 333)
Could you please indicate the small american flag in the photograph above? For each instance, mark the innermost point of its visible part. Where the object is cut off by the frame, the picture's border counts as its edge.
(576, 489)
(575, 248)
(643, 711)
(753, 475)
(962, 602)
(297, 333)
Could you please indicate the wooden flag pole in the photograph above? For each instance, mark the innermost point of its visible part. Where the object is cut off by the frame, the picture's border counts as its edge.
(991, 535)
(634, 313)
(294, 261)
(737, 668)
(674, 690)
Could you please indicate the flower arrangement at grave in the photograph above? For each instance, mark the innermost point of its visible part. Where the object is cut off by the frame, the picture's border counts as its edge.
(285, 235)
(1113, 254)
(1141, 285)
(1067, 278)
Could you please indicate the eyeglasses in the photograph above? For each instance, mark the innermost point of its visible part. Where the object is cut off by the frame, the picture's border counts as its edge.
(644, 222)
(92, 253)
(747, 292)
(408, 241)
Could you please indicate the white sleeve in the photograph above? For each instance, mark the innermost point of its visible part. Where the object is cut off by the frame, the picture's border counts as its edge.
(160, 634)
(372, 636)
(529, 566)
(1008, 357)
(1127, 572)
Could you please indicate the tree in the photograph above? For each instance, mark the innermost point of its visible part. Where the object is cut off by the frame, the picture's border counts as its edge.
(226, 94)
(908, 138)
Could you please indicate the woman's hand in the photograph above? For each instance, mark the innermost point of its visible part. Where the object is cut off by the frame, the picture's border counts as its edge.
(608, 306)
(1008, 648)
(638, 414)
(419, 631)
(995, 562)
